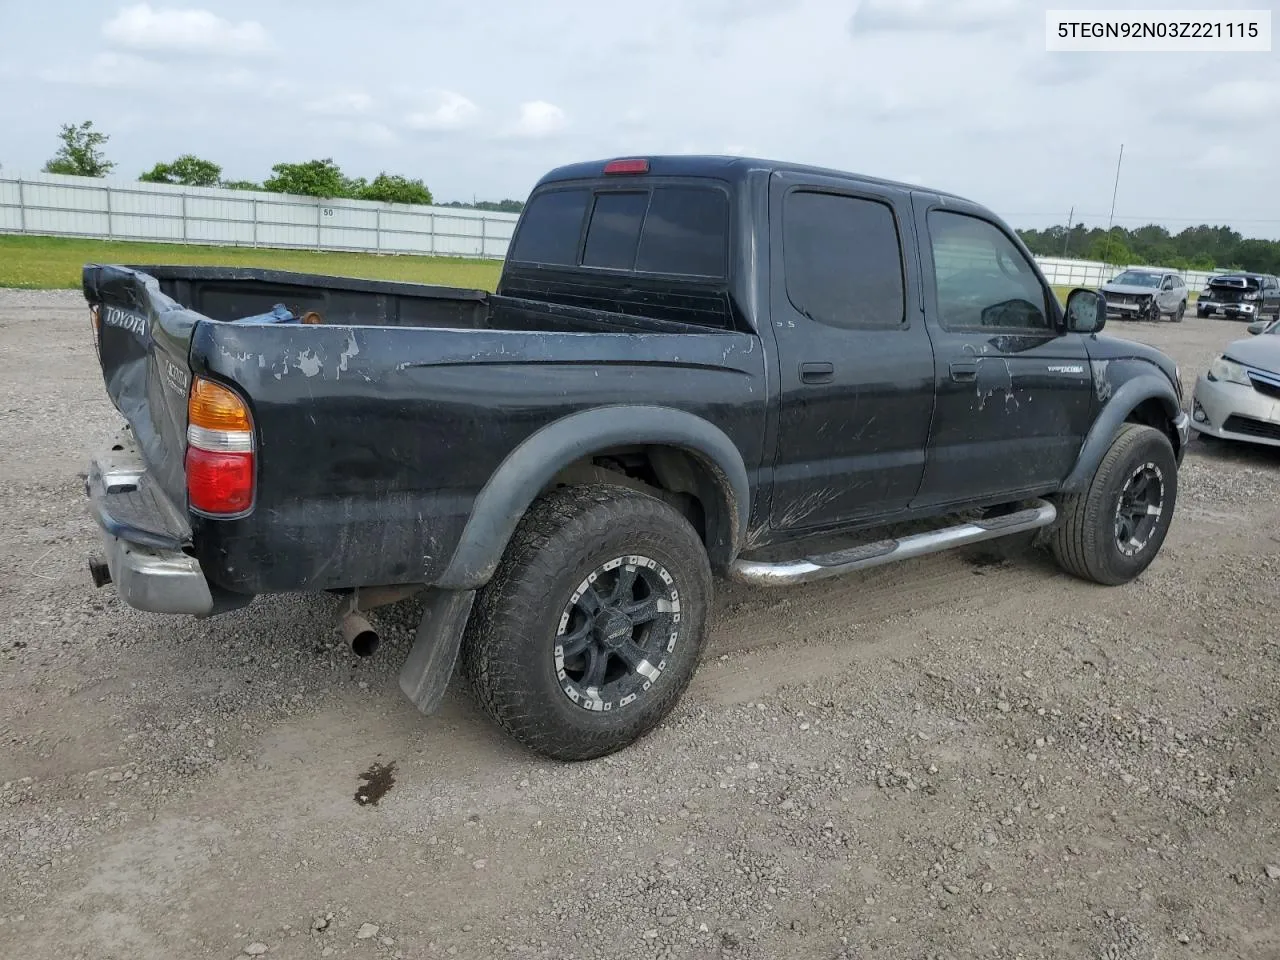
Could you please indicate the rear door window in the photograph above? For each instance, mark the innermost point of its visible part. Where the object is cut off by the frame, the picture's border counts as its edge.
(842, 259)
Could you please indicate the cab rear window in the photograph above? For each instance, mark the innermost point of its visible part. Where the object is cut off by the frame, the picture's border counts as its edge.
(675, 230)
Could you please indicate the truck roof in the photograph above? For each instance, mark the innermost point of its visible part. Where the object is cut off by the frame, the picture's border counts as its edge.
(728, 168)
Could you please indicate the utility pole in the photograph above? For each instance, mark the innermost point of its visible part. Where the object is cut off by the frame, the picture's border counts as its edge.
(1114, 190)
(1066, 237)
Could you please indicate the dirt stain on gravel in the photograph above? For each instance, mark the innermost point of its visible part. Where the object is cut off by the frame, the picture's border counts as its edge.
(983, 561)
(379, 779)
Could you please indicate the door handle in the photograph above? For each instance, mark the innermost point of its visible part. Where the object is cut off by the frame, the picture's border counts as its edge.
(962, 370)
(816, 372)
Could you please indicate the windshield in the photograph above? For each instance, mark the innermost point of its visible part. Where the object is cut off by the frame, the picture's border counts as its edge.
(1133, 278)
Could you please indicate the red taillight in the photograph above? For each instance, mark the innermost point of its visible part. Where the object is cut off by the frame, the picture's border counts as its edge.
(219, 450)
(638, 165)
(219, 482)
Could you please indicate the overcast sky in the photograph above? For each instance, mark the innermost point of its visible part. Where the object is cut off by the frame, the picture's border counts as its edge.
(481, 97)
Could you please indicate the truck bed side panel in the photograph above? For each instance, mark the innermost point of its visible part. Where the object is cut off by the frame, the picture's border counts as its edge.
(374, 441)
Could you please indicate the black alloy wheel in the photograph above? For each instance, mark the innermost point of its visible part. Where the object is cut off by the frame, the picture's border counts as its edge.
(615, 633)
(1139, 509)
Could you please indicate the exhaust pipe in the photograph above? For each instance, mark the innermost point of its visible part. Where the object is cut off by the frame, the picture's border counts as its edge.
(359, 634)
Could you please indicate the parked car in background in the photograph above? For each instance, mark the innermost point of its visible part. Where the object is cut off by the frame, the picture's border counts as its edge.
(1139, 294)
(1238, 398)
(1240, 296)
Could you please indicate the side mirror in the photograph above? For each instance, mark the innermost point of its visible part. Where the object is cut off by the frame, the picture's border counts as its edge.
(1086, 311)
(1258, 326)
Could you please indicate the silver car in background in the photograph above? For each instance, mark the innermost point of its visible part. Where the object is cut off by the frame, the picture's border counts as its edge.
(1138, 294)
(1239, 397)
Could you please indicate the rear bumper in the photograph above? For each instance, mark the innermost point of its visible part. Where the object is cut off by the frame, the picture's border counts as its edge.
(157, 581)
(145, 537)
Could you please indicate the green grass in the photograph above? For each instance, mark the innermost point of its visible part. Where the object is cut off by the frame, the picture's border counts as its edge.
(49, 263)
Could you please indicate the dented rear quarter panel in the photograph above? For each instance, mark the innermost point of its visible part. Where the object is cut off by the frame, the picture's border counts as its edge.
(373, 442)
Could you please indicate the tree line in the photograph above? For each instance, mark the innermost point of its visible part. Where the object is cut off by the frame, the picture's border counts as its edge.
(1195, 248)
(82, 154)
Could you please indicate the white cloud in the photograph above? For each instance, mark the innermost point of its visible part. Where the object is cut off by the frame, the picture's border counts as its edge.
(539, 119)
(343, 104)
(446, 110)
(141, 27)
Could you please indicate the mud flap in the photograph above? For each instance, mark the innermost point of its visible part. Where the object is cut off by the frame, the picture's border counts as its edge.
(425, 674)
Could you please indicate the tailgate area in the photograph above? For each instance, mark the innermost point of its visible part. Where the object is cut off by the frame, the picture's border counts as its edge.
(128, 504)
(144, 535)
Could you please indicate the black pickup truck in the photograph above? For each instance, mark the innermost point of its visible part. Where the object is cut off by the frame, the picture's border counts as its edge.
(692, 366)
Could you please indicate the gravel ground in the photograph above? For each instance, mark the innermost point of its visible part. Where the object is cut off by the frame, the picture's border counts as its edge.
(963, 756)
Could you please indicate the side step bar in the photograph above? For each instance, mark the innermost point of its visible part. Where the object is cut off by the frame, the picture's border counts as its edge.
(1041, 514)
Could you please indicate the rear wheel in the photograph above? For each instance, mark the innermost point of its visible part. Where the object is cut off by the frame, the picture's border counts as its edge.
(1180, 312)
(593, 623)
(1112, 532)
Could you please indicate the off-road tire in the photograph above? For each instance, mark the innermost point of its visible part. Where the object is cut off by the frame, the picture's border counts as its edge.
(1085, 541)
(509, 649)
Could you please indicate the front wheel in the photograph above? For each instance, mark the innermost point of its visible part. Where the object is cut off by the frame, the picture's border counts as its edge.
(1154, 311)
(593, 623)
(1112, 532)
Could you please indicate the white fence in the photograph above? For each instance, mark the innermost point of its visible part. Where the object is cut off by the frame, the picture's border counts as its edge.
(1093, 273)
(56, 205)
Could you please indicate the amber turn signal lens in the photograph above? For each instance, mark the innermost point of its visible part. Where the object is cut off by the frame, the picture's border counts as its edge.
(214, 407)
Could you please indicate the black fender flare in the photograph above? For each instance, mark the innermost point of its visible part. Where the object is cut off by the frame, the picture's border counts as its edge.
(1124, 401)
(522, 475)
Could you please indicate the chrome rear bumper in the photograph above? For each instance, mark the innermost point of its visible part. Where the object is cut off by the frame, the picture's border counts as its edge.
(144, 536)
